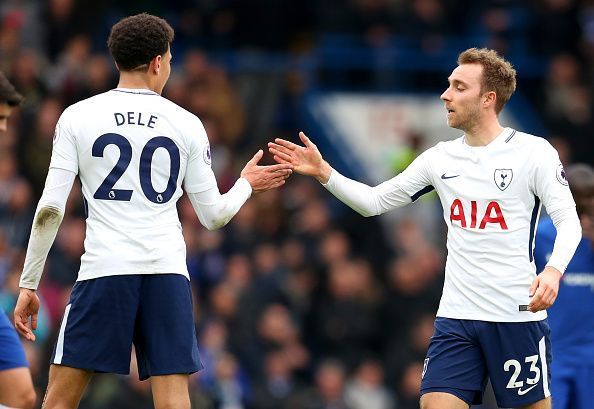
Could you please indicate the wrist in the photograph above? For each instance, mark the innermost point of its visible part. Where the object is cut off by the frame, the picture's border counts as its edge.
(558, 273)
(323, 175)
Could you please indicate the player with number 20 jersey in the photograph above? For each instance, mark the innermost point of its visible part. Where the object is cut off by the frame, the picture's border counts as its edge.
(132, 150)
(133, 147)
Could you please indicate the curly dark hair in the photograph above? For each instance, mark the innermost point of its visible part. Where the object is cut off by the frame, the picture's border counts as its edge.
(134, 41)
(8, 94)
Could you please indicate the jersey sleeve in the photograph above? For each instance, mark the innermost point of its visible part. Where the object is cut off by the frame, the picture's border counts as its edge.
(396, 192)
(550, 184)
(199, 176)
(64, 151)
(413, 182)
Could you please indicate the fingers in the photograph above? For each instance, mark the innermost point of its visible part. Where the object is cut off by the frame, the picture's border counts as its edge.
(543, 298)
(305, 140)
(280, 160)
(256, 158)
(34, 321)
(22, 327)
(281, 154)
(533, 287)
(286, 144)
(279, 167)
(536, 302)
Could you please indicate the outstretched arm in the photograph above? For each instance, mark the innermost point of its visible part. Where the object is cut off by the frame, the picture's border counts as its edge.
(46, 222)
(364, 199)
(215, 210)
(306, 160)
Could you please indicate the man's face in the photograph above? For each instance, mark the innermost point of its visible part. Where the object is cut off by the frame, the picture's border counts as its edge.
(5, 111)
(463, 96)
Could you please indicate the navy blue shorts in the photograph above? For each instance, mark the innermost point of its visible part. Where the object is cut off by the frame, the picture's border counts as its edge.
(106, 315)
(514, 355)
(12, 354)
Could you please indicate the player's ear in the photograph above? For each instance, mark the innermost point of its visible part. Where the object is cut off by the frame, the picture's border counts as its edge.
(489, 99)
(155, 64)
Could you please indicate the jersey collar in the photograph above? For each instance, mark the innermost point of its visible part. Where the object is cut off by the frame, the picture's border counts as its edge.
(139, 91)
(504, 137)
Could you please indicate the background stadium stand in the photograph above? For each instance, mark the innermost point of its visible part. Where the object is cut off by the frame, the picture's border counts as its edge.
(300, 302)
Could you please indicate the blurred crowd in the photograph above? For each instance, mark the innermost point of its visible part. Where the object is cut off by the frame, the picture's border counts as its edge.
(300, 302)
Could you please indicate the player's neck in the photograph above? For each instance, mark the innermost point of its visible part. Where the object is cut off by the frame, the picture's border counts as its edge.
(136, 80)
(483, 133)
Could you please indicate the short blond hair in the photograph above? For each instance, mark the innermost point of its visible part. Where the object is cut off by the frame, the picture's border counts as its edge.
(498, 74)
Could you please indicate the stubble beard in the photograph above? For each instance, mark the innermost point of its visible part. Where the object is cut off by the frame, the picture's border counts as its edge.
(465, 124)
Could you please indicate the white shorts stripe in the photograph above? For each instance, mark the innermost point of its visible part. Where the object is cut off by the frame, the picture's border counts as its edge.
(60, 343)
(542, 349)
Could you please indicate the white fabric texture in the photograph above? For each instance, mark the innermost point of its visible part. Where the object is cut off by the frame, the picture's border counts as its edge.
(491, 198)
(46, 222)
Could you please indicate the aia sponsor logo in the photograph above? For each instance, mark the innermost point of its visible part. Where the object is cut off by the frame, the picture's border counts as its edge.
(477, 220)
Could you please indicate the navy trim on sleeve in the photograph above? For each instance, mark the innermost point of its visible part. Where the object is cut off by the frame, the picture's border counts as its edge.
(533, 227)
(421, 192)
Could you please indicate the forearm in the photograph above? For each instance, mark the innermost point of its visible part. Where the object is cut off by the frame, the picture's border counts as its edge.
(45, 227)
(569, 234)
(47, 219)
(215, 210)
(364, 199)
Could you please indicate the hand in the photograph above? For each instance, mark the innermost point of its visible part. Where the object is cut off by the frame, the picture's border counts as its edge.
(263, 178)
(27, 306)
(544, 289)
(306, 160)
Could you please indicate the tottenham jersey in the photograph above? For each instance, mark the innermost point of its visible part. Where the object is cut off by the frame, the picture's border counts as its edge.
(491, 198)
(132, 149)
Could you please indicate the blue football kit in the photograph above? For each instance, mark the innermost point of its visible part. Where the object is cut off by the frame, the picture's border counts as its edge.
(571, 319)
(12, 354)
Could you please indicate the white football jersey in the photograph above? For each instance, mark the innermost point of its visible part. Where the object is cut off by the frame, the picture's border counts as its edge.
(132, 149)
(491, 197)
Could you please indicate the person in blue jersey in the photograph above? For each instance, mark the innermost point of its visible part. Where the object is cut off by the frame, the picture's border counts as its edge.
(132, 150)
(571, 318)
(16, 386)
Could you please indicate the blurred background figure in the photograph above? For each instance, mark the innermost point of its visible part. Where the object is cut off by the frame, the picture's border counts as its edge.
(572, 326)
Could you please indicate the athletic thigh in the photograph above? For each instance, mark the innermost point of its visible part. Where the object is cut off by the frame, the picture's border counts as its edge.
(170, 391)
(65, 387)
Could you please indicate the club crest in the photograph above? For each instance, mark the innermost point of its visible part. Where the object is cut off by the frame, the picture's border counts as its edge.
(503, 178)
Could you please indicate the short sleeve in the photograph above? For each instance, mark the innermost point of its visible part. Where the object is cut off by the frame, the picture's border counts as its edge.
(550, 184)
(64, 151)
